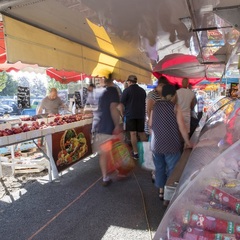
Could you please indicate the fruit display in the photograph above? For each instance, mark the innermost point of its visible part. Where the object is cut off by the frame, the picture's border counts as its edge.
(39, 125)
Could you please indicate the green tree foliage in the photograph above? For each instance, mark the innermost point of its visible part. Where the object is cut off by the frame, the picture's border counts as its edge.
(52, 83)
(3, 80)
(23, 81)
(36, 85)
(10, 86)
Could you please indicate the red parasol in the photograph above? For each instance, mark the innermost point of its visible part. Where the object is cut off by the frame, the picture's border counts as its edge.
(178, 66)
(3, 57)
(65, 77)
(7, 67)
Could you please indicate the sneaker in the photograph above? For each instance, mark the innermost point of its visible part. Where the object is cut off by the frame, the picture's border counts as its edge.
(135, 156)
(106, 183)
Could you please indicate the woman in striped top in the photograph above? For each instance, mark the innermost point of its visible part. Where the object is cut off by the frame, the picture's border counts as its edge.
(167, 126)
(152, 97)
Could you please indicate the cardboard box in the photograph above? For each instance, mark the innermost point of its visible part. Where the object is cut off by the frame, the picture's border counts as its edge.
(34, 134)
(169, 192)
(47, 131)
(28, 152)
(15, 138)
(5, 125)
(50, 119)
(77, 124)
(3, 141)
(88, 121)
(60, 128)
(42, 120)
(71, 125)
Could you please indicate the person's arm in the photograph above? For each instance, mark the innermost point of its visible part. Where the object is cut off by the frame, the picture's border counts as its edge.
(149, 106)
(122, 104)
(182, 126)
(150, 122)
(121, 109)
(39, 110)
(115, 116)
(62, 105)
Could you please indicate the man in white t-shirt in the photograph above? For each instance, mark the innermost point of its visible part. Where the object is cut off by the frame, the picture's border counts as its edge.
(186, 99)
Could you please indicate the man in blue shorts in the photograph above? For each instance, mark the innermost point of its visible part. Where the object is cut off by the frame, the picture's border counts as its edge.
(133, 109)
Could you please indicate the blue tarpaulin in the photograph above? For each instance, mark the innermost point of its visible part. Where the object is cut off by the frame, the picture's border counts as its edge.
(224, 80)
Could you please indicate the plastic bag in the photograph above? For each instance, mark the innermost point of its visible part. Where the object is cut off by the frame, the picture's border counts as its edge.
(145, 155)
(119, 156)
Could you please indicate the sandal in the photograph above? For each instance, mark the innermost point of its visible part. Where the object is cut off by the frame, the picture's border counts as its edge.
(161, 194)
(153, 178)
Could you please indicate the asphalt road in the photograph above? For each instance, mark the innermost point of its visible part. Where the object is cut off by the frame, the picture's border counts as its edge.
(77, 206)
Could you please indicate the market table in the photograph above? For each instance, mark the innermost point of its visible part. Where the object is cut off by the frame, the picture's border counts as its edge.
(60, 154)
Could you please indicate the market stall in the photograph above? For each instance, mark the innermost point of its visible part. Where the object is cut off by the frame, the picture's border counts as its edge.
(210, 123)
(206, 202)
(67, 138)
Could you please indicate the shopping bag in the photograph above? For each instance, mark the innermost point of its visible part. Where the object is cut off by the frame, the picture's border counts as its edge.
(145, 156)
(118, 156)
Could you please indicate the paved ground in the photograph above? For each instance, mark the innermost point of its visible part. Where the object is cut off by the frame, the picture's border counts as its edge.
(76, 206)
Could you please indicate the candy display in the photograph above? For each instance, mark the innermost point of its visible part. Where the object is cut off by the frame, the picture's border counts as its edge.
(206, 204)
(225, 198)
(209, 223)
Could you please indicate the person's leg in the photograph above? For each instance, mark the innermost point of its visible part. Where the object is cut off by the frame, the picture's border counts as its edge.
(160, 172)
(133, 136)
(131, 126)
(140, 130)
(143, 136)
(171, 160)
(103, 164)
(102, 147)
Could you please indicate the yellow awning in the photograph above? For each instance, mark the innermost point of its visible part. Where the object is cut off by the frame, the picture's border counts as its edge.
(35, 46)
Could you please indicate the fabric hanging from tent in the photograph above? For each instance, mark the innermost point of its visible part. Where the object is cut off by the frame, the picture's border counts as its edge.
(7, 67)
(65, 77)
(178, 66)
(3, 57)
(47, 49)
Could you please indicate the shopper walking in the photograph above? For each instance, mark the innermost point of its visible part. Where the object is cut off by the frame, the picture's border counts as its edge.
(109, 124)
(133, 109)
(167, 125)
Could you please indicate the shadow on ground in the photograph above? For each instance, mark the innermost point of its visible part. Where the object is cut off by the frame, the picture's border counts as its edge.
(76, 206)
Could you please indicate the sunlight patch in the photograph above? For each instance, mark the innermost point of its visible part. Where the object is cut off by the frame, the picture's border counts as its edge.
(115, 232)
(14, 196)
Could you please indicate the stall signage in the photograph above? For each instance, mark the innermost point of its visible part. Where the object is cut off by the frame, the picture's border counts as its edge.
(71, 146)
(23, 97)
(84, 96)
(78, 100)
